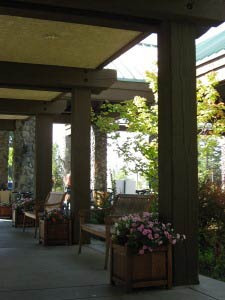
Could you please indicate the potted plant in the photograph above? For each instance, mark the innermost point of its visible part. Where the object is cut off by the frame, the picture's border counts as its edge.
(55, 228)
(18, 212)
(141, 251)
(6, 210)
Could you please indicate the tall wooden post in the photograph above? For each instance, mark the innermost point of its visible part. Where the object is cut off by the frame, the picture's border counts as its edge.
(178, 143)
(80, 155)
(43, 157)
(4, 153)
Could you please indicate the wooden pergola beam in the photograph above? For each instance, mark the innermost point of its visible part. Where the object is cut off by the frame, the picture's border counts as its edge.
(45, 12)
(125, 90)
(31, 107)
(54, 78)
(62, 119)
(204, 11)
(7, 125)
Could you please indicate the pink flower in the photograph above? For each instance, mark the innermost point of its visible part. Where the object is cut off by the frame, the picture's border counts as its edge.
(156, 235)
(140, 228)
(145, 231)
(150, 236)
(150, 224)
(174, 242)
(145, 247)
(146, 214)
(141, 252)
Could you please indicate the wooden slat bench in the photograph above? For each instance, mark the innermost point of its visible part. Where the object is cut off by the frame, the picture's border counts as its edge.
(123, 205)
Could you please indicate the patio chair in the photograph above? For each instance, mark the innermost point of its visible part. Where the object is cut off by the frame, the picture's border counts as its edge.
(53, 201)
(123, 205)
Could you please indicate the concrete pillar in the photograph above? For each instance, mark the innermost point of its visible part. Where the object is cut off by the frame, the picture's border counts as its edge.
(178, 179)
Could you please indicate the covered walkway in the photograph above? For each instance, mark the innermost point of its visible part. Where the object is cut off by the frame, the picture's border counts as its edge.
(31, 271)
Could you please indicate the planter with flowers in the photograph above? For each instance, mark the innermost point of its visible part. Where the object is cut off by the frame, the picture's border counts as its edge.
(141, 252)
(55, 228)
(18, 212)
(6, 210)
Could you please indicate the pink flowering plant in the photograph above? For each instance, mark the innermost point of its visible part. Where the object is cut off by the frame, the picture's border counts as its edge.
(143, 233)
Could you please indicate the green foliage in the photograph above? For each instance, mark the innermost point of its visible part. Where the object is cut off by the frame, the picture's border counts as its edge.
(57, 169)
(140, 151)
(212, 230)
(10, 163)
(209, 158)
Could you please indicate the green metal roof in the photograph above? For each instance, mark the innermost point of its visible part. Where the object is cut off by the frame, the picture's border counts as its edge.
(132, 65)
(210, 46)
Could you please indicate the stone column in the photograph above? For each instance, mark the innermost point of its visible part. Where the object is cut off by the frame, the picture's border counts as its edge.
(4, 153)
(100, 159)
(23, 156)
(178, 177)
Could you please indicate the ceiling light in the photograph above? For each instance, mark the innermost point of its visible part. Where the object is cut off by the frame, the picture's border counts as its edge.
(51, 37)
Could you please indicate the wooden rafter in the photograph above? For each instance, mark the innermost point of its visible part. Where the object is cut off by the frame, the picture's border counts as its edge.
(146, 12)
(54, 77)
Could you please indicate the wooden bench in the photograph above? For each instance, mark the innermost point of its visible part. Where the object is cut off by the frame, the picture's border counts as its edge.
(53, 201)
(123, 205)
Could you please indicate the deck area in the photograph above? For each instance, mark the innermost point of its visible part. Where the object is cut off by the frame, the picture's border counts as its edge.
(32, 271)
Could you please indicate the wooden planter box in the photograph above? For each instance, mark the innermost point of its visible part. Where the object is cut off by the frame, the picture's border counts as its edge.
(134, 271)
(6, 212)
(17, 219)
(55, 233)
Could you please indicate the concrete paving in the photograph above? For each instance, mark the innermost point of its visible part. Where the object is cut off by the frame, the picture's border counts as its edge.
(31, 271)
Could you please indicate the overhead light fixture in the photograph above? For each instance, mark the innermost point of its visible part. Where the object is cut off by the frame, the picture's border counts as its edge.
(51, 37)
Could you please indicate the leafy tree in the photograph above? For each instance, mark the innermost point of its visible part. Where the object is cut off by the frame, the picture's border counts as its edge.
(140, 151)
(10, 157)
(211, 124)
(57, 168)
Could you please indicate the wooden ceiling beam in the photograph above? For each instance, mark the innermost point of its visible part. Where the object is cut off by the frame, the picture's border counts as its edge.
(73, 15)
(7, 125)
(54, 78)
(125, 90)
(200, 11)
(31, 107)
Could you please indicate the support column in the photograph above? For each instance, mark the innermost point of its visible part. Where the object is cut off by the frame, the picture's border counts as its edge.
(178, 177)
(100, 159)
(4, 153)
(24, 156)
(43, 162)
(80, 155)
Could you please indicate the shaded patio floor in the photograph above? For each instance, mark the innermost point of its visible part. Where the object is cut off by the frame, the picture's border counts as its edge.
(31, 271)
